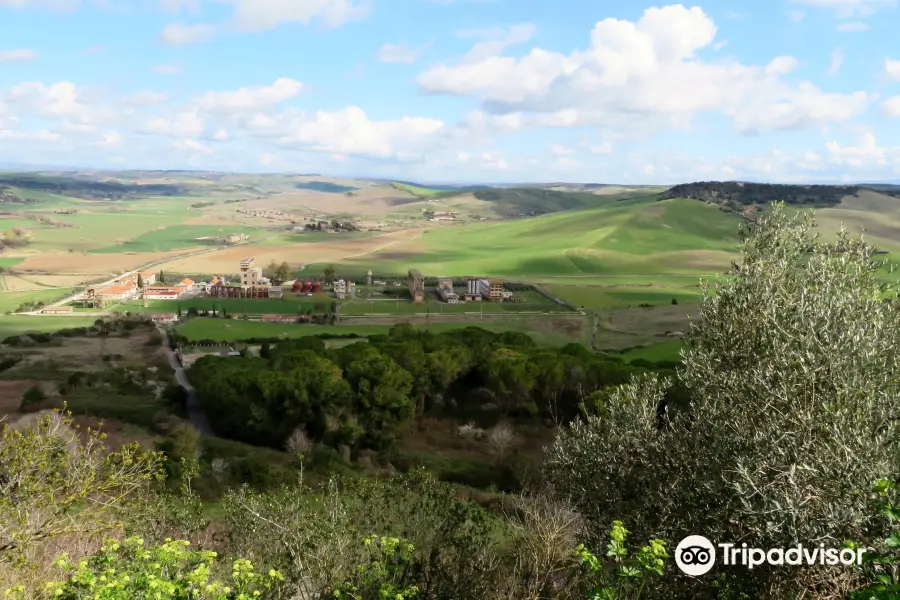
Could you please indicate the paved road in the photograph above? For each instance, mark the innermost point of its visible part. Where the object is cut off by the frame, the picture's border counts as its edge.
(195, 412)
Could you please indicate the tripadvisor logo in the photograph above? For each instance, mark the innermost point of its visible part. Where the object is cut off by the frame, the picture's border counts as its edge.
(695, 555)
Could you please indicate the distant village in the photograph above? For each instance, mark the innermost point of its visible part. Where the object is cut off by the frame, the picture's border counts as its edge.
(251, 283)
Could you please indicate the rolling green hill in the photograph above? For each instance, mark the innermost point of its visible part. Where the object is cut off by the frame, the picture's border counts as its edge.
(632, 237)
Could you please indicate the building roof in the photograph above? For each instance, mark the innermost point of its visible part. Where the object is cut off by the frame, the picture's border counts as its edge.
(247, 261)
(415, 272)
(187, 281)
(117, 289)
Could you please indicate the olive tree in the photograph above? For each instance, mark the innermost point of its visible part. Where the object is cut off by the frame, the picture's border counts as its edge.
(792, 372)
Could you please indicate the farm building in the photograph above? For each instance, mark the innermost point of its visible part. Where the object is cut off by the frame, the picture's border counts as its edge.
(57, 310)
(117, 292)
(188, 284)
(306, 287)
(250, 276)
(148, 278)
(473, 289)
(224, 290)
(160, 292)
(276, 291)
(416, 283)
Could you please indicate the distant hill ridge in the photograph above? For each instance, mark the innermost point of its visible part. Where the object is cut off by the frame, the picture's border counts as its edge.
(741, 194)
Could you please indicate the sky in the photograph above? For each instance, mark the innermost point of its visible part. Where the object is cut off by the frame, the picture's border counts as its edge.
(457, 90)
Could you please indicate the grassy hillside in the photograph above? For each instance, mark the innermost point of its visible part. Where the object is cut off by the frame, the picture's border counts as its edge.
(636, 237)
(425, 192)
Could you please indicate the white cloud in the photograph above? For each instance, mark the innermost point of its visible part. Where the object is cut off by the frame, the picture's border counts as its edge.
(866, 153)
(852, 26)
(179, 34)
(167, 69)
(20, 55)
(220, 135)
(397, 53)
(891, 107)
(250, 99)
(351, 132)
(604, 148)
(266, 159)
(837, 60)
(641, 76)
(796, 15)
(261, 15)
(892, 69)
(781, 65)
(849, 8)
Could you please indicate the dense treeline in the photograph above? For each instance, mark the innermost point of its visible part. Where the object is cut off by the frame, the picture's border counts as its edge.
(362, 394)
(737, 194)
(86, 188)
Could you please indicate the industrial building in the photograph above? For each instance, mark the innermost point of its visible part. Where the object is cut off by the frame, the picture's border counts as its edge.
(445, 290)
(344, 288)
(416, 284)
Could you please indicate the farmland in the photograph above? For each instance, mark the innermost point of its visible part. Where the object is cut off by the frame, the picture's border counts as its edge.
(633, 256)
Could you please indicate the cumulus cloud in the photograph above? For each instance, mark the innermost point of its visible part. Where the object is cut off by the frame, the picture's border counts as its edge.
(20, 55)
(351, 132)
(179, 34)
(892, 69)
(249, 99)
(891, 107)
(837, 61)
(641, 75)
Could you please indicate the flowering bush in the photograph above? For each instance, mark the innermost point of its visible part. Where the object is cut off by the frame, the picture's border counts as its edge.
(128, 570)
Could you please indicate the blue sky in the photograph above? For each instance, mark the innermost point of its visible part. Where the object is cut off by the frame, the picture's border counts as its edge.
(456, 90)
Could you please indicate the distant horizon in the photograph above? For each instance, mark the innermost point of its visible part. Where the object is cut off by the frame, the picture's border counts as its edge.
(8, 167)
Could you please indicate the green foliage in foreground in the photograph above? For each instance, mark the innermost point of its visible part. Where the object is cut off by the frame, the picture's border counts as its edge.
(128, 570)
(790, 375)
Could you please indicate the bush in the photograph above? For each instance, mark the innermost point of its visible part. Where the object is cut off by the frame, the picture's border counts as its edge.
(32, 397)
(791, 387)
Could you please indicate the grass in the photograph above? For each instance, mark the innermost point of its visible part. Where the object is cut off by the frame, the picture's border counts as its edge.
(290, 305)
(629, 327)
(599, 298)
(670, 350)
(17, 325)
(10, 262)
(98, 230)
(534, 302)
(638, 237)
(423, 192)
(176, 237)
(11, 300)
(229, 330)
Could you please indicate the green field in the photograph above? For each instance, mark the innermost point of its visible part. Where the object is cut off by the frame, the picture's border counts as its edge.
(670, 350)
(17, 324)
(603, 297)
(11, 300)
(292, 305)
(534, 302)
(423, 192)
(645, 237)
(229, 330)
(10, 262)
(175, 237)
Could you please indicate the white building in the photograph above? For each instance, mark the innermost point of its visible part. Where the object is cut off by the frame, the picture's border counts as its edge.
(250, 276)
(445, 290)
(344, 288)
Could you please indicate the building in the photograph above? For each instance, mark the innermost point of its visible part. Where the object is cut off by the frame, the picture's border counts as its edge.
(344, 288)
(473, 290)
(416, 283)
(57, 310)
(495, 289)
(160, 292)
(445, 290)
(201, 286)
(250, 276)
(276, 292)
(117, 292)
(164, 318)
(224, 290)
(188, 284)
